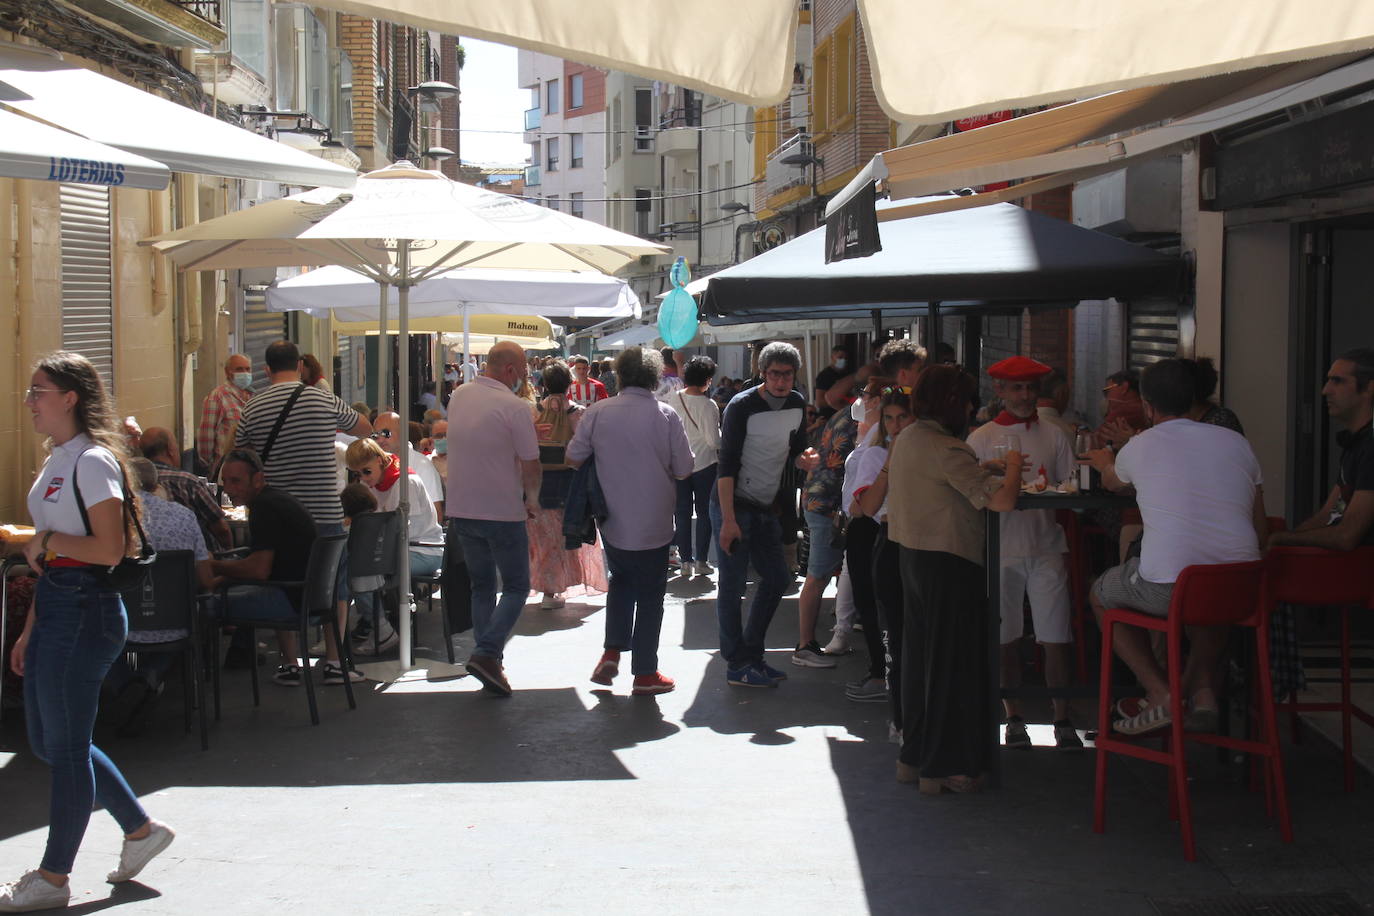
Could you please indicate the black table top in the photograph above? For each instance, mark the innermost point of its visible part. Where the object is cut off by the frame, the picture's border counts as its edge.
(1051, 500)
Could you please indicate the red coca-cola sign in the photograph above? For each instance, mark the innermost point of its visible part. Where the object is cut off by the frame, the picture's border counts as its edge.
(982, 120)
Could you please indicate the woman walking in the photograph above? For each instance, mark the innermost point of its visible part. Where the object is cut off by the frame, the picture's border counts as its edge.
(701, 418)
(76, 626)
(553, 568)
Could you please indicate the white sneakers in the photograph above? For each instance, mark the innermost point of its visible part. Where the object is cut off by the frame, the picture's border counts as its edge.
(839, 644)
(138, 853)
(33, 892)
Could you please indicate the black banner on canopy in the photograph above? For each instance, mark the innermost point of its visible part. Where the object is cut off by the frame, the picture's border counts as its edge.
(852, 231)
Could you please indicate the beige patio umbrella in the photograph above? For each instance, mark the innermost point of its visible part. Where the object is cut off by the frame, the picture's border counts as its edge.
(931, 60)
(399, 226)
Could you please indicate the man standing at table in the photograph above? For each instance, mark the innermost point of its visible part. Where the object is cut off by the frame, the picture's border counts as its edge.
(1032, 545)
(1200, 496)
(1346, 521)
(221, 410)
(494, 476)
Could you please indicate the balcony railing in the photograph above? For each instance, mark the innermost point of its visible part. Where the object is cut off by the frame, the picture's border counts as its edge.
(780, 176)
(531, 176)
(532, 119)
(205, 9)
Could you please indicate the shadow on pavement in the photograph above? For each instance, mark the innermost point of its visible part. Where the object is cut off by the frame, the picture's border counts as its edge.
(120, 895)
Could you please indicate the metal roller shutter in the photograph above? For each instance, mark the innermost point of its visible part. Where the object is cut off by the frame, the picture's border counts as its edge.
(261, 328)
(1152, 332)
(87, 275)
(343, 377)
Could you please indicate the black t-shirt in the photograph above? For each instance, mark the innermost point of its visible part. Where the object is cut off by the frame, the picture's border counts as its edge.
(828, 376)
(279, 522)
(1357, 470)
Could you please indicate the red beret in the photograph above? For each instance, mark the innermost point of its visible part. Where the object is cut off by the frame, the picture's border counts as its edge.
(1018, 369)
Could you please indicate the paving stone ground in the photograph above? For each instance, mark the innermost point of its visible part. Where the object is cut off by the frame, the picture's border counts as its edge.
(432, 797)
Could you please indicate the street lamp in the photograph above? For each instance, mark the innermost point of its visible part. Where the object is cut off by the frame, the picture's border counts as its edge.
(735, 206)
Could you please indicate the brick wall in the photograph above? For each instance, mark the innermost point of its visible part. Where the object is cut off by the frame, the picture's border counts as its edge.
(851, 145)
(358, 38)
(1048, 335)
(449, 116)
(593, 90)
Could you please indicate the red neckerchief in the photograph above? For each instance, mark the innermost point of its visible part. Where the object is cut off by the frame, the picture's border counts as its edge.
(1007, 418)
(390, 474)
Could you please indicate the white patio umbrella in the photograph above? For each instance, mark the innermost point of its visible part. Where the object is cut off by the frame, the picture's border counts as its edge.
(549, 293)
(399, 226)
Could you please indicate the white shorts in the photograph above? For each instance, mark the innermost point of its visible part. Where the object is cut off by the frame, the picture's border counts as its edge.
(1046, 581)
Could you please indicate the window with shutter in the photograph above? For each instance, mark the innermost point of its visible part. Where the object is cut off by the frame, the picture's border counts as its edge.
(87, 276)
(261, 329)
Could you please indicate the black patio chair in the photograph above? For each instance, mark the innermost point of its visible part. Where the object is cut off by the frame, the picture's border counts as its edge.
(318, 600)
(374, 561)
(431, 582)
(167, 599)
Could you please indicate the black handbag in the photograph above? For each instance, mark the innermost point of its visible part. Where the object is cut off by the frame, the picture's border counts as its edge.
(130, 571)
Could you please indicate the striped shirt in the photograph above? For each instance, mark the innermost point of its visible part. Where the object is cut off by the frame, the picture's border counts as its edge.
(302, 459)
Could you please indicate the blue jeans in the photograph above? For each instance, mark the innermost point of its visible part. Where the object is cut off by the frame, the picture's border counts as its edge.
(490, 546)
(421, 564)
(634, 604)
(761, 542)
(258, 602)
(694, 492)
(78, 633)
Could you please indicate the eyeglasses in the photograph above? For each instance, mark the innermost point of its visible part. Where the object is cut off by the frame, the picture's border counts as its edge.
(382, 434)
(781, 374)
(898, 389)
(37, 391)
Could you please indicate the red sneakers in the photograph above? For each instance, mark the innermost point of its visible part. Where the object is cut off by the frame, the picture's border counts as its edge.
(606, 669)
(647, 684)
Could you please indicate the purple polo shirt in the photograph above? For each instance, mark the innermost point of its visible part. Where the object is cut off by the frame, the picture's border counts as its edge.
(489, 431)
(641, 448)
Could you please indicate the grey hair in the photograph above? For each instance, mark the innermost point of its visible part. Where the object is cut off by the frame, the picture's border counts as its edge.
(638, 367)
(779, 352)
(145, 473)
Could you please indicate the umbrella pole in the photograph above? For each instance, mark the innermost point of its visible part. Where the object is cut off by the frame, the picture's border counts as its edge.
(383, 354)
(403, 281)
(466, 329)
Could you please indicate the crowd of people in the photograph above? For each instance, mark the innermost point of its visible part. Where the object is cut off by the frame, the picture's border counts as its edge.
(547, 475)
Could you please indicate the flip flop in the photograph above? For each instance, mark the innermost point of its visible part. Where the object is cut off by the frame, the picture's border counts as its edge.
(1126, 707)
(1151, 719)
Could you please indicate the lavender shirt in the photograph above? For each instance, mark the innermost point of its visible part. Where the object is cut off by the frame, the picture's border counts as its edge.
(640, 447)
(488, 430)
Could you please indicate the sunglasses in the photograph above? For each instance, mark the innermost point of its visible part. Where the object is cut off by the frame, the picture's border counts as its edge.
(899, 389)
(382, 434)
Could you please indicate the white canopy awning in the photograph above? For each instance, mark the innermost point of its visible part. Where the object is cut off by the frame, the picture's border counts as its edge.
(1051, 144)
(931, 60)
(644, 335)
(36, 151)
(116, 114)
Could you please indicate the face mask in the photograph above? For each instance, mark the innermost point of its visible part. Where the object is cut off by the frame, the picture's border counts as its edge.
(441, 446)
(856, 411)
(840, 363)
(243, 380)
(516, 386)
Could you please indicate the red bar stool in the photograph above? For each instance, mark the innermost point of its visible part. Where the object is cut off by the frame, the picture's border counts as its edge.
(1227, 594)
(1314, 576)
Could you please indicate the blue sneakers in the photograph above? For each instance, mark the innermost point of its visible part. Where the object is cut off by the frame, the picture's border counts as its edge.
(772, 672)
(749, 676)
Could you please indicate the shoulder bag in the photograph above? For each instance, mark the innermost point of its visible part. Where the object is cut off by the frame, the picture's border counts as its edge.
(129, 571)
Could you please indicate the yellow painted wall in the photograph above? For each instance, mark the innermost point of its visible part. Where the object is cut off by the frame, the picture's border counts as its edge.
(30, 312)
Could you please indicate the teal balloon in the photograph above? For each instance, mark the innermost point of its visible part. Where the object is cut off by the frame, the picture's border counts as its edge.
(677, 318)
(679, 273)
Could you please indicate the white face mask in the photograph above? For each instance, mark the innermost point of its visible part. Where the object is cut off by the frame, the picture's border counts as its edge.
(840, 363)
(857, 411)
(243, 380)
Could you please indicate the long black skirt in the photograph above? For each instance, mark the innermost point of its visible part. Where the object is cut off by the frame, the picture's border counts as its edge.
(945, 707)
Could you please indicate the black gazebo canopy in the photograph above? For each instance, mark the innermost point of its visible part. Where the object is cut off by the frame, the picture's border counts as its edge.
(983, 258)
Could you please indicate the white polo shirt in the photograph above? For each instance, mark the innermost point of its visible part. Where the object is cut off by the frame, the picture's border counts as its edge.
(52, 498)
